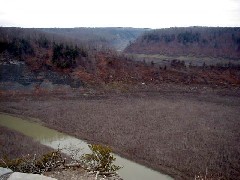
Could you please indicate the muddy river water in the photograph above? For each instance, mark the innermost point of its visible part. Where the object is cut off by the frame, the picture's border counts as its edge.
(55, 139)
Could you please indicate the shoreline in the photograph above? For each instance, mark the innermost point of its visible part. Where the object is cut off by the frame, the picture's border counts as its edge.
(31, 147)
(164, 170)
(27, 121)
(33, 109)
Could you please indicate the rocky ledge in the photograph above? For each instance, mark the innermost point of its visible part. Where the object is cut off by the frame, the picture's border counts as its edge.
(8, 174)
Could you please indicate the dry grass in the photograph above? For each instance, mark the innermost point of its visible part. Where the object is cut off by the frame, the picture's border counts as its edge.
(180, 134)
(15, 145)
(160, 59)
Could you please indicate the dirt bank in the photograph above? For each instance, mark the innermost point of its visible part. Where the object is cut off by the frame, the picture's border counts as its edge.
(15, 145)
(181, 134)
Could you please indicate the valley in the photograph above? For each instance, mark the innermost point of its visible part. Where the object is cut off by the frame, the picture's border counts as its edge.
(174, 132)
(168, 99)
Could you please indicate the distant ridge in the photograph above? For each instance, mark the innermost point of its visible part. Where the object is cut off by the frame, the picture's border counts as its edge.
(193, 41)
(114, 37)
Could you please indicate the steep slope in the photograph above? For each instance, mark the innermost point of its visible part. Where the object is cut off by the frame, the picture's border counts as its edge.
(33, 58)
(193, 41)
(41, 53)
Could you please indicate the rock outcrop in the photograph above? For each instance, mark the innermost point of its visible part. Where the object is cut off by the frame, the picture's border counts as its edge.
(8, 174)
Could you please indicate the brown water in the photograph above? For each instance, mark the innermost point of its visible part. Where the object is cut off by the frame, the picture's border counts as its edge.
(55, 139)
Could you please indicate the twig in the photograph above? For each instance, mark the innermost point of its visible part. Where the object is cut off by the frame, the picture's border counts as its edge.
(96, 176)
(4, 163)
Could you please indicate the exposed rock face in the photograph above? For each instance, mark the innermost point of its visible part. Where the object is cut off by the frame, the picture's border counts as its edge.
(17, 76)
(24, 176)
(8, 174)
(5, 173)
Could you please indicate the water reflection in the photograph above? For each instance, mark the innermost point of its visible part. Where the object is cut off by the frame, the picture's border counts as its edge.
(34, 130)
(55, 139)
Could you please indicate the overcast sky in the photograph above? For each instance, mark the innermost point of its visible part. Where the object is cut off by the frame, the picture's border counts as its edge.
(119, 13)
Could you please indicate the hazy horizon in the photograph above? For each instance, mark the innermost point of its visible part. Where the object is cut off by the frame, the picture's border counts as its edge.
(107, 13)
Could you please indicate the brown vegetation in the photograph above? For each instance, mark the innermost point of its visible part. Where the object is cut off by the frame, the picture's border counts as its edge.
(179, 124)
(194, 41)
(31, 157)
(102, 67)
(180, 134)
(15, 145)
(115, 38)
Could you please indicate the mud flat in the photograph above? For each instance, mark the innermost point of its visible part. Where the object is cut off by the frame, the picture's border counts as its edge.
(180, 134)
(55, 140)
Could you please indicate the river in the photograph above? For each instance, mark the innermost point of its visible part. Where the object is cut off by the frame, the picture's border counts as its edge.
(55, 139)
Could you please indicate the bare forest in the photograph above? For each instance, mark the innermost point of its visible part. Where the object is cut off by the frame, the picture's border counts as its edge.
(168, 98)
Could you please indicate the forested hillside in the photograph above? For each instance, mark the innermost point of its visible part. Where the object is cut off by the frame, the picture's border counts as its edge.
(116, 38)
(78, 62)
(191, 41)
(42, 51)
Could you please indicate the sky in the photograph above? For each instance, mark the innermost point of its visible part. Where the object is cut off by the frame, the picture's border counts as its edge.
(119, 13)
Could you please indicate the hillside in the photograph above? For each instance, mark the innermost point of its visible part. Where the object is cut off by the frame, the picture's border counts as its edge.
(116, 38)
(191, 41)
(36, 60)
(40, 52)
(178, 119)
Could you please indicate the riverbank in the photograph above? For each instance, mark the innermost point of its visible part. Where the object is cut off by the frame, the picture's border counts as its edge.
(180, 134)
(16, 145)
